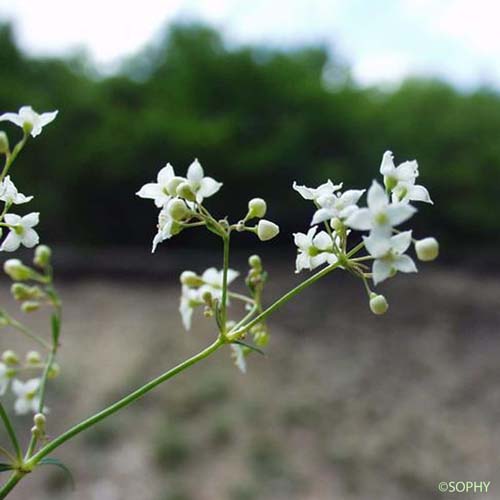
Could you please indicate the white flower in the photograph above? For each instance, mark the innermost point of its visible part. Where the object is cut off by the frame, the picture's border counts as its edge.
(201, 186)
(28, 398)
(388, 254)
(4, 378)
(337, 205)
(166, 227)
(314, 193)
(190, 299)
(10, 195)
(238, 355)
(314, 249)
(400, 180)
(214, 278)
(380, 216)
(21, 232)
(159, 190)
(29, 120)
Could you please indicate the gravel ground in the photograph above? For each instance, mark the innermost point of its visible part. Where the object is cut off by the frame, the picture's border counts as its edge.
(343, 406)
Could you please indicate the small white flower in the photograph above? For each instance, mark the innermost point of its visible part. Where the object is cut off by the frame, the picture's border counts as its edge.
(313, 194)
(190, 299)
(28, 398)
(388, 254)
(4, 378)
(166, 227)
(214, 278)
(30, 120)
(238, 356)
(158, 191)
(380, 216)
(314, 250)
(203, 187)
(10, 195)
(21, 232)
(400, 180)
(337, 205)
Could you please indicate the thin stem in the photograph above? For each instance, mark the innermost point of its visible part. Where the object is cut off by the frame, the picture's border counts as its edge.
(315, 277)
(9, 485)
(224, 279)
(239, 296)
(7, 454)
(355, 250)
(11, 432)
(89, 422)
(245, 318)
(33, 336)
(9, 159)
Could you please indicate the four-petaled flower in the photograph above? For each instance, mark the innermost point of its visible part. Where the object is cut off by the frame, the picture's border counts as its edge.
(29, 120)
(313, 249)
(28, 398)
(203, 187)
(10, 195)
(313, 194)
(158, 191)
(337, 205)
(400, 180)
(21, 231)
(388, 255)
(380, 216)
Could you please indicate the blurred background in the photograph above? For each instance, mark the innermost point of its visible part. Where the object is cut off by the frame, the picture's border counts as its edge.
(344, 405)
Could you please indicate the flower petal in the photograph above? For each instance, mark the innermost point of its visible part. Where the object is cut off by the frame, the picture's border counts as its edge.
(381, 270)
(322, 215)
(11, 243)
(401, 242)
(397, 213)
(387, 166)
(420, 193)
(208, 187)
(31, 219)
(360, 220)
(405, 264)
(377, 245)
(377, 197)
(322, 241)
(165, 174)
(30, 238)
(195, 172)
(13, 118)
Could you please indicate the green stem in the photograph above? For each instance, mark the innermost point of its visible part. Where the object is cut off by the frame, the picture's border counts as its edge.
(11, 432)
(89, 422)
(224, 279)
(239, 296)
(9, 160)
(315, 277)
(9, 485)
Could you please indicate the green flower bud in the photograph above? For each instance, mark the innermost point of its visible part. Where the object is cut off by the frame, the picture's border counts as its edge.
(173, 184)
(33, 358)
(178, 210)
(10, 358)
(30, 306)
(43, 253)
(184, 191)
(39, 420)
(257, 207)
(4, 143)
(207, 298)
(378, 304)
(54, 371)
(267, 230)
(24, 292)
(427, 249)
(17, 270)
(191, 279)
(254, 262)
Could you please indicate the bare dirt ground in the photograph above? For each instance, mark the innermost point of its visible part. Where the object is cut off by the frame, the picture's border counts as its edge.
(344, 405)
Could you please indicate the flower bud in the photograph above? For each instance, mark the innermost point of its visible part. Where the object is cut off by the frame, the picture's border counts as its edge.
(43, 253)
(336, 224)
(22, 292)
(189, 278)
(173, 183)
(257, 207)
(177, 209)
(33, 358)
(184, 191)
(267, 230)
(254, 262)
(4, 143)
(54, 371)
(378, 304)
(10, 358)
(207, 298)
(39, 420)
(17, 270)
(30, 306)
(427, 249)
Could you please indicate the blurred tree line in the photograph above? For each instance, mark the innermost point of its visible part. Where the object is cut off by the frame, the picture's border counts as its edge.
(257, 119)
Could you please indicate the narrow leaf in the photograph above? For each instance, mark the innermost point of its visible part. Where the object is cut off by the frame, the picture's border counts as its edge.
(251, 347)
(56, 462)
(5, 467)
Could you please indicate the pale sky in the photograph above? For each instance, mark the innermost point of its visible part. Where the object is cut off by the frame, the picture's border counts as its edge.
(382, 40)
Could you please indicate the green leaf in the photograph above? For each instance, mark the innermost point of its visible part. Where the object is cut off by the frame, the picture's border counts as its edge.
(5, 467)
(56, 328)
(251, 347)
(58, 463)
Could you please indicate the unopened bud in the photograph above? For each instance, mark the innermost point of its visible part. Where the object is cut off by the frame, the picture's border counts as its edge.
(10, 358)
(267, 230)
(4, 143)
(184, 191)
(177, 209)
(23, 292)
(378, 304)
(42, 257)
(33, 358)
(254, 262)
(191, 279)
(207, 297)
(39, 420)
(173, 183)
(54, 371)
(257, 207)
(30, 306)
(427, 249)
(336, 224)
(17, 270)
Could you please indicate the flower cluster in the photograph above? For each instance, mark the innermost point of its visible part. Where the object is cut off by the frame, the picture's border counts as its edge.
(386, 209)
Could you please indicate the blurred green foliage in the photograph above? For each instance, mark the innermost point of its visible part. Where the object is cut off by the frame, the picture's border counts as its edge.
(257, 119)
